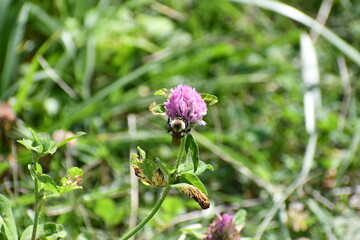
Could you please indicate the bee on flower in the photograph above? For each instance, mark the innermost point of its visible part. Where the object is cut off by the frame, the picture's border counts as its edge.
(184, 108)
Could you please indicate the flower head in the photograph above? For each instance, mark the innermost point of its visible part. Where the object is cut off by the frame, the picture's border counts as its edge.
(186, 103)
(222, 228)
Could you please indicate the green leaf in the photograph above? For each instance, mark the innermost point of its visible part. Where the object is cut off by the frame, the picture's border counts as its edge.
(141, 152)
(71, 181)
(75, 172)
(186, 167)
(192, 151)
(7, 222)
(240, 219)
(149, 167)
(28, 144)
(35, 136)
(48, 183)
(78, 134)
(162, 92)
(209, 99)
(193, 180)
(51, 149)
(148, 171)
(164, 166)
(32, 171)
(38, 168)
(157, 109)
(134, 159)
(46, 231)
(202, 167)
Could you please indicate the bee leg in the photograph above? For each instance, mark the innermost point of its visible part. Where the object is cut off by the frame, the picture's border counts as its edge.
(169, 125)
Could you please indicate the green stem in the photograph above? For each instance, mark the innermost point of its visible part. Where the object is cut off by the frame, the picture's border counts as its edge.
(181, 152)
(37, 210)
(39, 201)
(152, 213)
(36, 219)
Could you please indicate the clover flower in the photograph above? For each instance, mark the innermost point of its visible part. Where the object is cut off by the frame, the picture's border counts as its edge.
(186, 103)
(222, 228)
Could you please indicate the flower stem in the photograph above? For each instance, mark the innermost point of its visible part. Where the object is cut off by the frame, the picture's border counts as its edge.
(181, 152)
(151, 214)
(37, 209)
(39, 200)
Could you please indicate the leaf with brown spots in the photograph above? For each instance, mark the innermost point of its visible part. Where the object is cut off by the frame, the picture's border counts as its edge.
(193, 193)
(148, 171)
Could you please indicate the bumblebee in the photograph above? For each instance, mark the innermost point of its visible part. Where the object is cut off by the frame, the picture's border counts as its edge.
(177, 128)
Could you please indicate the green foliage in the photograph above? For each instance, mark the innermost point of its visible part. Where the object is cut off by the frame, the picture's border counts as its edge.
(192, 151)
(68, 183)
(185, 176)
(42, 143)
(46, 231)
(209, 99)
(7, 223)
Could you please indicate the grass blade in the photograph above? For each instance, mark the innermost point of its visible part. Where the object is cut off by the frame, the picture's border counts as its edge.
(302, 18)
(11, 56)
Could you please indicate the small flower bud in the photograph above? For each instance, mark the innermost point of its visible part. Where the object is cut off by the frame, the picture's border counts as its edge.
(222, 228)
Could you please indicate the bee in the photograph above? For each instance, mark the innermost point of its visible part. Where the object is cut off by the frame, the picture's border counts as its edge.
(177, 127)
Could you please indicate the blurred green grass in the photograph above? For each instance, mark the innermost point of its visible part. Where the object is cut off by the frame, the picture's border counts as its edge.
(87, 65)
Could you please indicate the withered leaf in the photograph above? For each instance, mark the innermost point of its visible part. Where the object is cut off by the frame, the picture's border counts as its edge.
(193, 193)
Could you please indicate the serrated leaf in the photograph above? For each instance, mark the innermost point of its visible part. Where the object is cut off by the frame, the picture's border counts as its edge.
(209, 99)
(78, 134)
(47, 183)
(157, 109)
(193, 193)
(192, 151)
(7, 222)
(163, 92)
(193, 180)
(48, 231)
(202, 167)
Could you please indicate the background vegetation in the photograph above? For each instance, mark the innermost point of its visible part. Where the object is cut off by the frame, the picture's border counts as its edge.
(93, 65)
